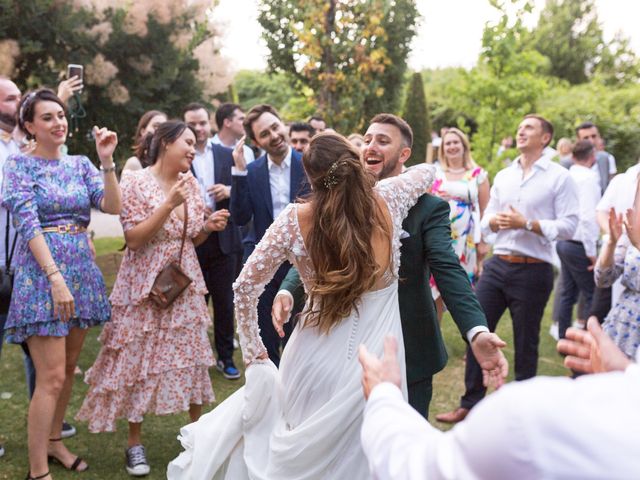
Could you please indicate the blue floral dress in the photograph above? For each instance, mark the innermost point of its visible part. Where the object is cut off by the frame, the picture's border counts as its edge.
(43, 193)
(622, 323)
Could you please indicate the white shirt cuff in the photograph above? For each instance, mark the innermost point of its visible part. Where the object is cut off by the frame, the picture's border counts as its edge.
(238, 173)
(474, 331)
(549, 229)
(385, 389)
(485, 229)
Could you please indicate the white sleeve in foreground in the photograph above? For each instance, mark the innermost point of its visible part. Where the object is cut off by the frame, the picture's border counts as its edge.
(397, 441)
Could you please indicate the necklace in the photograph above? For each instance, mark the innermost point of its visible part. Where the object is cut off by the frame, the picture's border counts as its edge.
(456, 170)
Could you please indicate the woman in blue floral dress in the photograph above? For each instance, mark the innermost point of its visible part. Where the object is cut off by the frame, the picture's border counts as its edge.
(58, 289)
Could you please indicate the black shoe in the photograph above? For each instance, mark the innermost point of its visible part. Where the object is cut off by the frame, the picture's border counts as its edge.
(67, 430)
(228, 369)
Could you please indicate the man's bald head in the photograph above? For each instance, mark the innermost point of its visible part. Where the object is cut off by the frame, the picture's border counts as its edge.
(9, 99)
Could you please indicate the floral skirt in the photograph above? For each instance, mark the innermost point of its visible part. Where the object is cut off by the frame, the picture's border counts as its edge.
(151, 361)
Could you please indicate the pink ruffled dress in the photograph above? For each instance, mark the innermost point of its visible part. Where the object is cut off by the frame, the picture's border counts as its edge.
(152, 360)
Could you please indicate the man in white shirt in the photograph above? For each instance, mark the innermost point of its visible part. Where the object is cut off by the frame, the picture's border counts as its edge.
(229, 120)
(605, 164)
(261, 190)
(558, 428)
(219, 256)
(9, 100)
(533, 202)
(578, 255)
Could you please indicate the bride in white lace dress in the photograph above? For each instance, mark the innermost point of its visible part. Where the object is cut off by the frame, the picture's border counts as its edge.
(303, 421)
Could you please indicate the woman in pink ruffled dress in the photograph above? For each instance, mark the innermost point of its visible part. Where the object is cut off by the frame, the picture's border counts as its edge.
(155, 360)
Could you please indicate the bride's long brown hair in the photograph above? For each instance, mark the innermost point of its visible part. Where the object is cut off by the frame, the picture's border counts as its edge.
(345, 217)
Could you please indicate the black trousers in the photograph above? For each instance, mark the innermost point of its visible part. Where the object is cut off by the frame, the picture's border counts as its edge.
(576, 278)
(524, 289)
(219, 271)
(268, 333)
(420, 394)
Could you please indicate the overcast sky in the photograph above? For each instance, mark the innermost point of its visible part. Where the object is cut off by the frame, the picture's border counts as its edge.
(445, 38)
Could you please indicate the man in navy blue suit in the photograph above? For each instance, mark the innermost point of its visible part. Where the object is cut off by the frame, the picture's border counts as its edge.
(219, 255)
(260, 191)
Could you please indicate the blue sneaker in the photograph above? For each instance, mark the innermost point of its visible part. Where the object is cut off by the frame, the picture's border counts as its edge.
(228, 369)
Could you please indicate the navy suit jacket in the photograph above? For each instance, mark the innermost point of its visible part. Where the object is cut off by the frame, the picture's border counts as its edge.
(251, 193)
(230, 239)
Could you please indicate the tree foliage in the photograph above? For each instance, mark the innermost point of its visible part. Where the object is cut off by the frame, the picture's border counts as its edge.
(569, 34)
(505, 85)
(137, 56)
(416, 114)
(335, 48)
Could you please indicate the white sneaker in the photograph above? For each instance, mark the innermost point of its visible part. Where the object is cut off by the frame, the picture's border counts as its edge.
(136, 461)
(553, 331)
(1, 451)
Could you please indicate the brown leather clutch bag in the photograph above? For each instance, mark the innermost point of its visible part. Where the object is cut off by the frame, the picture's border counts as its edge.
(172, 280)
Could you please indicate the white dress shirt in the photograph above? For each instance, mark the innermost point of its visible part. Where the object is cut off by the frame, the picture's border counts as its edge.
(7, 147)
(280, 183)
(248, 152)
(547, 194)
(588, 188)
(203, 166)
(620, 192)
(542, 428)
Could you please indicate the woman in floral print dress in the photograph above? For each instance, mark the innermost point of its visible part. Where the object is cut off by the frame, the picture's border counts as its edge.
(155, 360)
(58, 289)
(466, 187)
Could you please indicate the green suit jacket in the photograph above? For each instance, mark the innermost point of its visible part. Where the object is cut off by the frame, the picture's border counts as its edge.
(425, 251)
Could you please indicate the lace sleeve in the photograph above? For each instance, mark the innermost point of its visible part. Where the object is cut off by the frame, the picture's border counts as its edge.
(269, 254)
(402, 192)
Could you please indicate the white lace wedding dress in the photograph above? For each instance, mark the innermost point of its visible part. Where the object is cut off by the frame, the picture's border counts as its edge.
(302, 421)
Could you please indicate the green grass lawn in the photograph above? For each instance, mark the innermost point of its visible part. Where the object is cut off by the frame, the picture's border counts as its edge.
(105, 452)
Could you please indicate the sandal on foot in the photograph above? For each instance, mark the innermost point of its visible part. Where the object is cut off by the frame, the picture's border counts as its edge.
(73, 467)
(29, 477)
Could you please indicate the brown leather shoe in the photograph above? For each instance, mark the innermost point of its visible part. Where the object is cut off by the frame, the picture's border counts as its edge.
(456, 416)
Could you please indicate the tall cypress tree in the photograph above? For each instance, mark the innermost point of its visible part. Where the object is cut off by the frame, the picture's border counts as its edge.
(416, 114)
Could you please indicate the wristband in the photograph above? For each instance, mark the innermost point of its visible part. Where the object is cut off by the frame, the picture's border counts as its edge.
(110, 169)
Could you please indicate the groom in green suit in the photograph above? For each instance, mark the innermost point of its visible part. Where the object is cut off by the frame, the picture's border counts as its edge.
(426, 250)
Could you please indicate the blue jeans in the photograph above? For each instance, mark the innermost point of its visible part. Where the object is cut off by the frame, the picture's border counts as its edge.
(576, 277)
(3, 320)
(29, 370)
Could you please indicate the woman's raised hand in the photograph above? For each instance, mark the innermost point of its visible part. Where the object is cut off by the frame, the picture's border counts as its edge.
(106, 142)
(63, 303)
(178, 193)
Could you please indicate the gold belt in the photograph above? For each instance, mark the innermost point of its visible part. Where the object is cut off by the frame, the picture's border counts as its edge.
(70, 228)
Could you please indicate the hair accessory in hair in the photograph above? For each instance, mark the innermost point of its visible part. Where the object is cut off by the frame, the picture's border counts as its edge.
(330, 179)
(25, 104)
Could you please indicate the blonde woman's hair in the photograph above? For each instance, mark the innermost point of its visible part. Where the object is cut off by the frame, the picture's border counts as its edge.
(564, 146)
(466, 155)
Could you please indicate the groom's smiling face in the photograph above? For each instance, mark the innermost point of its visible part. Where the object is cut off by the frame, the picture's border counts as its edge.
(384, 152)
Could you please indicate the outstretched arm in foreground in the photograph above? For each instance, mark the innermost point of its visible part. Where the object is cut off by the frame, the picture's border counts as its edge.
(592, 351)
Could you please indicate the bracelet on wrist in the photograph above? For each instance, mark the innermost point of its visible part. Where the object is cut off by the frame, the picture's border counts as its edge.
(110, 169)
(52, 273)
(50, 269)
